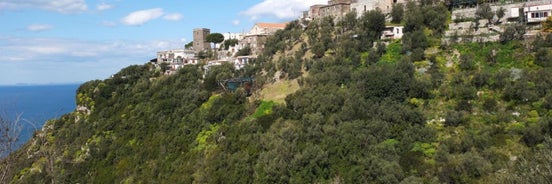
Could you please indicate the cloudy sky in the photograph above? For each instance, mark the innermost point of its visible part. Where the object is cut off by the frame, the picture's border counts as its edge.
(72, 41)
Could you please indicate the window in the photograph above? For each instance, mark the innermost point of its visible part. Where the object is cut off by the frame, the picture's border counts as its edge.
(539, 14)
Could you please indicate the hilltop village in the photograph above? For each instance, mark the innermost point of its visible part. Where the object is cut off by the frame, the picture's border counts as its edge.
(467, 25)
(357, 91)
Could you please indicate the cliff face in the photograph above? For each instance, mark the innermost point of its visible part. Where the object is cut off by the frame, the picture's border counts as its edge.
(464, 113)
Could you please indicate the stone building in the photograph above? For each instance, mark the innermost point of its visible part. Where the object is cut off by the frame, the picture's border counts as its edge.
(200, 39)
(256, 38)
(335, 8)
(361, 6)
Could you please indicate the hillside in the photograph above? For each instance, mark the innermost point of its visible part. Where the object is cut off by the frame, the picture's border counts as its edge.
(358, 110)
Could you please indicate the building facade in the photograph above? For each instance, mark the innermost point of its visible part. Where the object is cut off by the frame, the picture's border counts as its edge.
(534, 13)
(263, 28)
(361, 6)
(200, 39)
(392, 32)
(256, 38)
(177, 56)
(335, 8)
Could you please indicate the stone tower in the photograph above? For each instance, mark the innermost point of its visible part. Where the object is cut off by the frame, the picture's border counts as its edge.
(200, 42)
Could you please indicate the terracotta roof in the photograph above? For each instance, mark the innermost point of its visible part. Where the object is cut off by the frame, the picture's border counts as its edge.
(272, 25)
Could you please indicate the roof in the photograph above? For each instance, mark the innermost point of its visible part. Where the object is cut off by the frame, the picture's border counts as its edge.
(271, 25)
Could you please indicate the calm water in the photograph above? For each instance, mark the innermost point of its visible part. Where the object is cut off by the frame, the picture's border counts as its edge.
(36, 105)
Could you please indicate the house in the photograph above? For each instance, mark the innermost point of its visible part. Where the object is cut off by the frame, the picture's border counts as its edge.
(176, 59)
(361, 6)
(231, 49)
(392, 32)
(334, 8)
(314, 12)
(241, 61)
(177, 56)
(534, 12)
(263, 28)
(256, 38)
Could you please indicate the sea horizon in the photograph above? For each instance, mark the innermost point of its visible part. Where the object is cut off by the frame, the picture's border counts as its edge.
(36, 104)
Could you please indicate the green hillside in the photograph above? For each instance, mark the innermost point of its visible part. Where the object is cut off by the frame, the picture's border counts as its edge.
(356, 109)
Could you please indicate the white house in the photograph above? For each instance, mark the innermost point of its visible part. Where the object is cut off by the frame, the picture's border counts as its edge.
(241, 61)
(232, 49)
(392, 32)
(534, 13)
(237, 36)
(176, 56)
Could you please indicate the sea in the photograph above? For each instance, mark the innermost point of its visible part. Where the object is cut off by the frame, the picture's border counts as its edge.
(35, 104)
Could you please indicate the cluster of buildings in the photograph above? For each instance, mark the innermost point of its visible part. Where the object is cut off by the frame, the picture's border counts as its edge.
(254, 39)
(534, 11)
(257, 36)
(338, 8)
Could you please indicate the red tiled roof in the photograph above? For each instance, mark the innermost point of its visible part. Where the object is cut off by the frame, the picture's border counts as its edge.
(272, 25)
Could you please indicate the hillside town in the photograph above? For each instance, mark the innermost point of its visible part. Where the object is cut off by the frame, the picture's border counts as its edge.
(461, 28)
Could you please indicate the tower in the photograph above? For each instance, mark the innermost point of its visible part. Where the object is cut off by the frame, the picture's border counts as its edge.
(200, 39)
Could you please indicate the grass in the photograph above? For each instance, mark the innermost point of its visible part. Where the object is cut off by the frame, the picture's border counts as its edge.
(264, 109)
(278, 91)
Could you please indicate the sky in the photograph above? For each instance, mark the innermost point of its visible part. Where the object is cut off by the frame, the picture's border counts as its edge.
(74, 41)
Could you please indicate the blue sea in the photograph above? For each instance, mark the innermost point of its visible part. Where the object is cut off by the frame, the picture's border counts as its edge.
(36, 105)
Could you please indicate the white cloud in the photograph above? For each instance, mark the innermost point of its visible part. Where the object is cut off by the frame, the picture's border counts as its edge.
(61, 6)
(173, 17)
(104, 6)
(141, 17)
(281, 9)
(236, 22)
(40, 60)
(37, 48)
(39, 27)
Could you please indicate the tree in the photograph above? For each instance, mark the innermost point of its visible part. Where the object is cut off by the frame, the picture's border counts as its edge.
(372, 23)
(9, 134)
(547, 25)
(246, 51)
(230, 43)
(414, 19)
(435, 18)
(543, 58)
(215, 38)
(467, 62)
(397, 13)
(500, 14)
(189, 45)
(348, 22)
(512, 32)
(484, 11)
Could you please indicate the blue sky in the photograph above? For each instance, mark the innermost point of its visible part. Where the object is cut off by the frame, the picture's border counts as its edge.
(73, 41)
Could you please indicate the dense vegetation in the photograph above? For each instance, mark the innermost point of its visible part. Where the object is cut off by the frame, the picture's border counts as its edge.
(405, 111)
